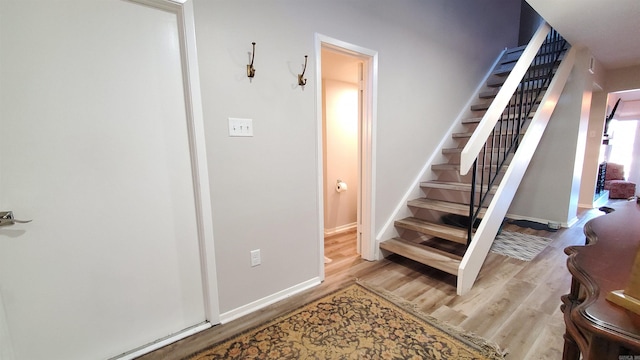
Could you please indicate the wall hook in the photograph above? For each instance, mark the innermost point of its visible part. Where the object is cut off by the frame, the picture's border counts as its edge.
(251, 71)
(301, 80)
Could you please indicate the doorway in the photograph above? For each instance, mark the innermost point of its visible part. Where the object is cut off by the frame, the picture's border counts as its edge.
(346, 122)
(341, 78)
(622, 124)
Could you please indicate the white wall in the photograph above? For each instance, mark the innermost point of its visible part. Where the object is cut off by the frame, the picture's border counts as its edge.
(432, 55)
(551, 186)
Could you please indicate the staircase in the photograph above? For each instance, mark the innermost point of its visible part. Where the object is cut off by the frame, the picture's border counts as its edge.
(455, 207)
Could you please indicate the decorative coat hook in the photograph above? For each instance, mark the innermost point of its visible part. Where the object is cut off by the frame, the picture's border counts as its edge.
(301, 80)
(251, 71)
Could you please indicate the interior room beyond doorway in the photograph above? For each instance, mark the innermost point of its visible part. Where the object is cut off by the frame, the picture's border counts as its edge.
(341, 117)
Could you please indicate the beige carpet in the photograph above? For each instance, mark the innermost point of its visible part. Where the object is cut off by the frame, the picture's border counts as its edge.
(353, 323)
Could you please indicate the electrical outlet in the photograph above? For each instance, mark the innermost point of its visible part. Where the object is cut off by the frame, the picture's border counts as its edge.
(240, 127)
(255, 257)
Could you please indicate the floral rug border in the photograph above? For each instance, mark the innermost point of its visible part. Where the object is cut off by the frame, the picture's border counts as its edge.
(489, 350)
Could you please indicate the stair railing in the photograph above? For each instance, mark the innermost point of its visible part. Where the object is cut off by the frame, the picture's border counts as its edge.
(476, 253)
(510, 117)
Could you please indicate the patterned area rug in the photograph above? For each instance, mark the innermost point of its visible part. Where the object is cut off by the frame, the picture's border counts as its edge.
(520, 246)
(353, 323)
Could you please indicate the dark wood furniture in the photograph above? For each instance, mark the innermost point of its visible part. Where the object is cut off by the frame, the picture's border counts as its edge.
(595, 327)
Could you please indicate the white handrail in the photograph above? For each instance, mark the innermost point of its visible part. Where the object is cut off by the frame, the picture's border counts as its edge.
(491, 117)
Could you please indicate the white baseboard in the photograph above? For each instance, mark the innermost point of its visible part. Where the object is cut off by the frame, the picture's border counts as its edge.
(340, 229)
(571, 222)
(567, 224)
(162, 342)
(587, 206)
(266, 301)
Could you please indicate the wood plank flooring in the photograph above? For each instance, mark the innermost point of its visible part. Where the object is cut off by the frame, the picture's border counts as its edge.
(513, 303)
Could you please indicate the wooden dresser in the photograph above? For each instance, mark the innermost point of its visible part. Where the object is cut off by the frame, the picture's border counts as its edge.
(595, 327)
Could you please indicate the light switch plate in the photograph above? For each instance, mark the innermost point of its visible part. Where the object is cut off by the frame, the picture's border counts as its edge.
(240, 127)
(255, 257)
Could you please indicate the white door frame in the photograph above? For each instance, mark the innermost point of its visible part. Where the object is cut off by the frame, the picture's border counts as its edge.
(183, 9)
(367, 155)
(195, 122)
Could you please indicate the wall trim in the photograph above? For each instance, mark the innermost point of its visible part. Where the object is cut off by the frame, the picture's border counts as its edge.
(564, 224)
(268, 300)
(341, 229)
(586, 206)
(184, 11)
(571, 222)
(163, 342)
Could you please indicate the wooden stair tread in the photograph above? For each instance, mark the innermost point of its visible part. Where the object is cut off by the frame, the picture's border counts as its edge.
(504, 68)
(442, 231)
(516, 49)
(512, 54)
(485, 105)
(462, 135)
(444, 206)
(445, 167)
(449, 151)
(423, 254)
(492, 92)
(456, 167)
(472, 120)
(495, 80)
(488, 94)
(509, 61)
(451, 185)
(477, 119)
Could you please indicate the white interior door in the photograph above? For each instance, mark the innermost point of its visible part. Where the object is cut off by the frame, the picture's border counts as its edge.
(95, 148)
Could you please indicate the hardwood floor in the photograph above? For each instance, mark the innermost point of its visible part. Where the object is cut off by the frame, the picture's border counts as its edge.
(514, 303)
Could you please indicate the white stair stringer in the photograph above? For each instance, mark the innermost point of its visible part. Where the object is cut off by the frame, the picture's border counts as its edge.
(488, 229)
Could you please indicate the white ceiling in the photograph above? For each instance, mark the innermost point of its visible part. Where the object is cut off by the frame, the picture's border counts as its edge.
(610, 29)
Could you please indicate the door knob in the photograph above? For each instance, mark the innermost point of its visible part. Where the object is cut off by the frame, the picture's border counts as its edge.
(6, 218)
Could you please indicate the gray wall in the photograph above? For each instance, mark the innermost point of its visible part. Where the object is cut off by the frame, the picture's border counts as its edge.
(530, 21)
(432, 56)
(551, 186)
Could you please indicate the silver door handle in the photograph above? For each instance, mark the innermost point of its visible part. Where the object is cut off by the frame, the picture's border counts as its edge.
(6, 218)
